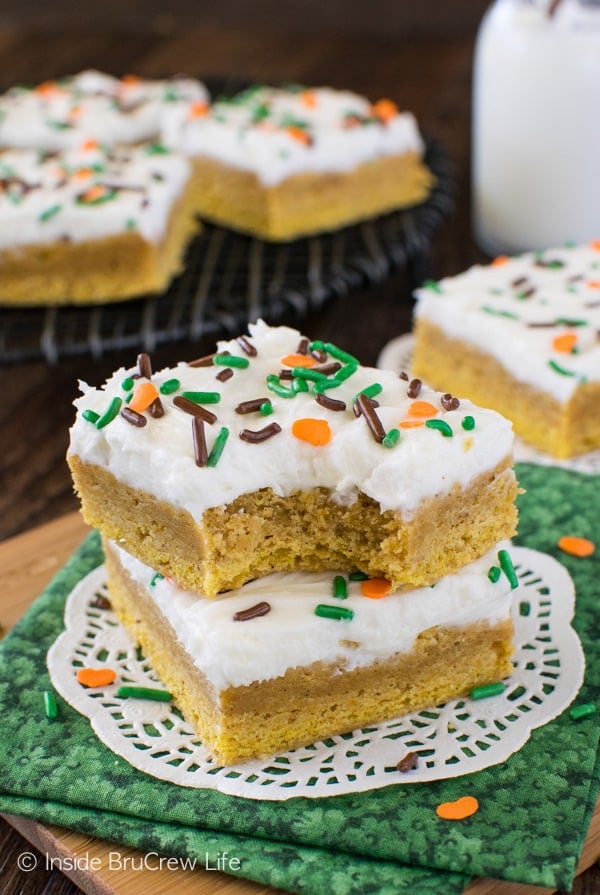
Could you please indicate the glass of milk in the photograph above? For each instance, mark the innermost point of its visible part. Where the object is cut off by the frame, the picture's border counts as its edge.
(536, 125)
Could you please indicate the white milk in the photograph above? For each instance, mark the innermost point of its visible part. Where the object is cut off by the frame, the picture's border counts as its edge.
(536, 125)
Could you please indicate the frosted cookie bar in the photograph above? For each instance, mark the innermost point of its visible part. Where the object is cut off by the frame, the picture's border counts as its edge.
(521, 335)
(293, 658)
(282, 163)
(61, 114)
(91, 224)
(280, 454)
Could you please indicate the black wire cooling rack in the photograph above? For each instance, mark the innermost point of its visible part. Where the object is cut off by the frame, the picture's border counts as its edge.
(230, 279)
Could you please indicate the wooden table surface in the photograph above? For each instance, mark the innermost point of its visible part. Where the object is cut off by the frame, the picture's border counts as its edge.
(428, 73)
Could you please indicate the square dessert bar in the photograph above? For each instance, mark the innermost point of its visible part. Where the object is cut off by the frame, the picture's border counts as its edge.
(521, 336)
(283, 163)
(281, 662)
(61, 114)
(280, 454)
(91, 224)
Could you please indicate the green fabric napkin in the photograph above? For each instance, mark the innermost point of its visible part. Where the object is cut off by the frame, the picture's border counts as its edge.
(534, 808)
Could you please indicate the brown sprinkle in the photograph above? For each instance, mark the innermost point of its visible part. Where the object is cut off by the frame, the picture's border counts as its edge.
(244, 615)
(303, 346)
(327, 369)
(144, 365)
(320, 356)
(528, 292)
(246, 346)
(156, 409)
(199, 437)
(285, 374)
(357, 410)
(449, 402)
(255, 437)
(403, 375)
(330, 403)
(414, 388)
(366, 406)
(520, 281)
(206, 361)
(251, 406)
(225, 374)
(100, 602)
(408, 763)
(194, 409)
(133, 417)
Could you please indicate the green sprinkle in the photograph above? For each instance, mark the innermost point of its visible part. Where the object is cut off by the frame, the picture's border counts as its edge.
(391, 438)
(131, 224)
(487, 690)
(152, 693)
(524, 608)
(128, 397)
(156, 149)
(508, 314)
(50, 706)
(202, 397)
(339, 613)
(317, 345)
(311, 375)
(170, 386)
(494, 574)
(320, 387)
(558, 369)
(569, 321)
(109, 415)
(433, 286)
(340, 588)
(506, 564)
(91, 416)
(49, 213)
(58, 125)
(299, 384)
(358, 576)
(442, 427)
(218, 446)
(156, 577)
(266, 408)
(170, 95)
(275, 386)
(371, 391)
(127, 384)
(98, 200)
(346, 372)
(339, 354)
(230, 360)
(260, 113)
(585, 710)
(468, 423)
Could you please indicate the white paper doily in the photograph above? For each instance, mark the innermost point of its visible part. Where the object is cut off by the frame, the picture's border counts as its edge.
(458, 738)
(397, 355)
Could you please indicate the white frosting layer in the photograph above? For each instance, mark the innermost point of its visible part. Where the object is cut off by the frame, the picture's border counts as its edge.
(88, 193)
(159, 458)
(62, 114)
(566, 294)
(233, 653)
(276, 133)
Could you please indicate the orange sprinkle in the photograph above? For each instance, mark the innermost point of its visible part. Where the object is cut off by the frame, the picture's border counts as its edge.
(74, 112)
(130, 80)
(96, 677)
(458, 810)
(88, 145)
(422, 408)
(299, 134)
(298, 360)
(309, 99)
(564, 343)
(593, 284)
(83, 173)
(410, 424)
(143, 396)
(384, 109)
(595, 244)
(500, 259)
(47, 88)
(198, 110)
(375, 588)
(576, 546)
(316, 432)
(94, 192)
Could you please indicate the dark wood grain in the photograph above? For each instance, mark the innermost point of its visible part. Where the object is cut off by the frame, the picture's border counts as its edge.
(428, 73)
